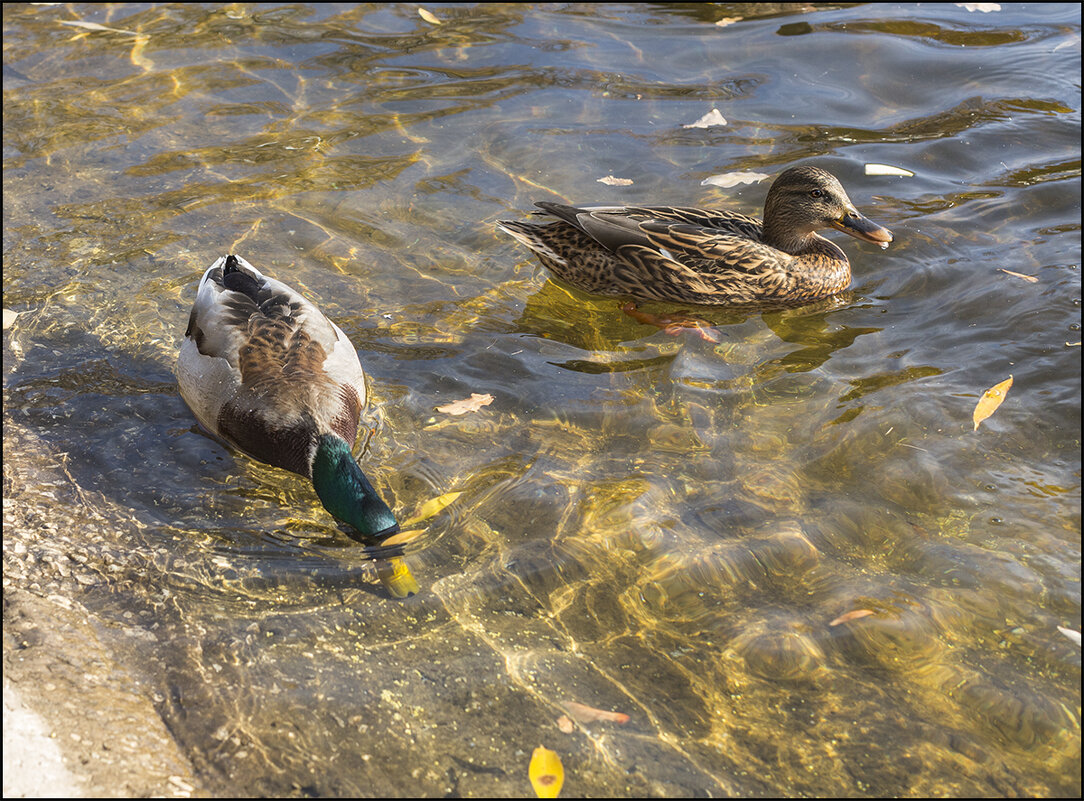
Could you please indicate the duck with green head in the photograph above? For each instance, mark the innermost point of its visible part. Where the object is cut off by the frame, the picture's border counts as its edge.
(265, 371)
(707, 256)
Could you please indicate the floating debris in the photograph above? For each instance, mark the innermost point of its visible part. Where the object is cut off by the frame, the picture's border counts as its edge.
(588, 714)
(728, 179)
(471, 404)
(429, 16)
(93, 26)
(709, 120)
(1030, 278)
(888, 169)
(854, 614)
(609, 180)
(990, 400)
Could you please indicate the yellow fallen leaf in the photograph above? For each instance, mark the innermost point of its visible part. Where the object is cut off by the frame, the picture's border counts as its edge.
(854, 614)
(990, 400)
(396, 577)
(546, 773)
(428, 16)
(1030, 278)
(586, 714)
(431, 507)
(471, 404)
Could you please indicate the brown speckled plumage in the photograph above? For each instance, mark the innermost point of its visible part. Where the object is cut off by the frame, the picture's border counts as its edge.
(264, 370)
(702, 256)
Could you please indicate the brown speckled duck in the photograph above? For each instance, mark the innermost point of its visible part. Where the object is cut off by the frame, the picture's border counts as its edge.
(704, 256)
(265, 371)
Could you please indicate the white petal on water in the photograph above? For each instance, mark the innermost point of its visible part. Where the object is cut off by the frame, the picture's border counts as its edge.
(985, 8)
(887, 169)
(728, 179)
(609, 180)
(1072, 635)
(713, 117)
(9, 318)
(93, 26)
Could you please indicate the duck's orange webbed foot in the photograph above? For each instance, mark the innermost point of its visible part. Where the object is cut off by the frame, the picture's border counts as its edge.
(672, 325)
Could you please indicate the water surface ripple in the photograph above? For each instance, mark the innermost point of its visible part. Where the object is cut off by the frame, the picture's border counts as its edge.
(663, 527)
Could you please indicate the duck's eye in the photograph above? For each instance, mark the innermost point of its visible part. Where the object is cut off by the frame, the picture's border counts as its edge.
(816, 193)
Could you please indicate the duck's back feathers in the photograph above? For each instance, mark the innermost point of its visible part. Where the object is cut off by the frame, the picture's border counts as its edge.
(704, 256)
(659, 252)
(263, 368)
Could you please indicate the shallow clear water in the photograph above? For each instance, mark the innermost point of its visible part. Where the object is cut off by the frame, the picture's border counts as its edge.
(660, 526)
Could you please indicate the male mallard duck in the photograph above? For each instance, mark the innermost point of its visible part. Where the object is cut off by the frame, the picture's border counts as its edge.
(704, 256)
(265, 371)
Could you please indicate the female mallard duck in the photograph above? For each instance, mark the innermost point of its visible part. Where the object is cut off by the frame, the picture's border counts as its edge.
(703, 256)
(265, 371)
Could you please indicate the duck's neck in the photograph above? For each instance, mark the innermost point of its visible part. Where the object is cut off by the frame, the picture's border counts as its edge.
(782, 236)
(786, 239)
(346, 492)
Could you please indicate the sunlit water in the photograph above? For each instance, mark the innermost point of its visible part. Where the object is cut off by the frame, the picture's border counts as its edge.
(659, 526)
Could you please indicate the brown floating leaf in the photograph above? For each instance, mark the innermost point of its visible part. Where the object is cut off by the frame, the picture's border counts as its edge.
(565, 724)
(588, 714)
(471, 404)
(990, 400)
(1031, 278)
(546, 773)
(854, 614)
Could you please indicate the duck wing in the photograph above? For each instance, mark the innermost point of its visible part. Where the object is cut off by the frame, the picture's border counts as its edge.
(262, 365)
(685, 254)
